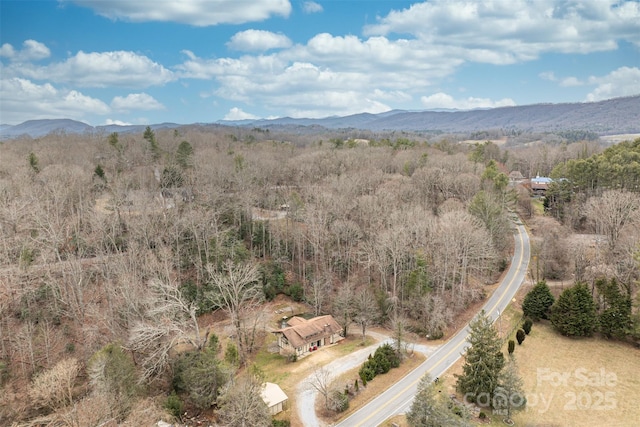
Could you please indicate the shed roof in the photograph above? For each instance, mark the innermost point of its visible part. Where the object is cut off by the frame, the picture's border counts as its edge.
(272, 394)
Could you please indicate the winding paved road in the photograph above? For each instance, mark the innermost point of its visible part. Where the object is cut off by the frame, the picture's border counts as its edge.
(397, 399)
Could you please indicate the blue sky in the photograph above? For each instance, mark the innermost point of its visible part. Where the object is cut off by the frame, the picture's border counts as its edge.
(188, 61)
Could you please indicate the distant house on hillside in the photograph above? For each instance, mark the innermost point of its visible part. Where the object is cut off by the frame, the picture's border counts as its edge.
(302, 336)
(274, 397)
(540, 184)
(516, 176)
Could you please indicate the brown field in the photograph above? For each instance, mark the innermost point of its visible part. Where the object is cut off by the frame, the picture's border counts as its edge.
(572, 382)
(578, 382)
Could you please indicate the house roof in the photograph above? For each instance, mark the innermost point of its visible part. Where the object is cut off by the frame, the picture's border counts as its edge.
(302, 331)
(272, 394)
(541, 180)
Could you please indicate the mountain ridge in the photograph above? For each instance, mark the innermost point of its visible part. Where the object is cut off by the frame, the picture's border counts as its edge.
(616, 115)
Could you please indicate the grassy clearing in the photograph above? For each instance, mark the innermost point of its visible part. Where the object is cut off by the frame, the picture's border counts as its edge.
(351, 344)
(568, 382)
(538, 206)
(578, 382)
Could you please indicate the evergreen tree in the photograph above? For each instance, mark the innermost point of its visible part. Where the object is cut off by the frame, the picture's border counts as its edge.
(574, 314)
(184, 155)
(428, 408)
(614, 308)
(99, 172)
(509, 395)
(112, 373)
(483, 361)
(34, 162)
(150, 136)
(537, 302)
(114, 142)
(201, 375)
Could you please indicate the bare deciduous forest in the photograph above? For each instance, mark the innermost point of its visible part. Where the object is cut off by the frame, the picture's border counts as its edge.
(115, 249)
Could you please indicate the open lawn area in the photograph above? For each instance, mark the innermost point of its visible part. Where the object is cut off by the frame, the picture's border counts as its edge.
(578, 382)
(568, 382)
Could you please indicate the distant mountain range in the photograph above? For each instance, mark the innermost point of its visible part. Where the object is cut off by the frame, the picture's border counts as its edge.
(613, 116)
(39, 128)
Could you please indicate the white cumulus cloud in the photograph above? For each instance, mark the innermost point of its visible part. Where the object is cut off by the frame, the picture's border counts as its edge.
(625, 81)
(116, 122)
(101, 69)
(7, 50)
(136, 101)
(508, 31)
(32, 50)
(199, 13)
(237, 114)
(258, 40)
(443, 100)
(311, 7)
(24, 100)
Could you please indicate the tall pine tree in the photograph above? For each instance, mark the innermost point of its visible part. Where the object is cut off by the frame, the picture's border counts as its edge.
(509, 395)
(483, 362)
(429, 409)
(614, 308)
(538, 301)
(574, 313)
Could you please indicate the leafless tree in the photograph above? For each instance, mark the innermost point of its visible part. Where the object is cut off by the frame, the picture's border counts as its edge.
(365, 310)
(343, 306)
(236, 291)
(611, 212)
(320, 380)
(168, 320)
(53, 388)
(399, 326)
(459, 247)
(317, 294)
(241, 403)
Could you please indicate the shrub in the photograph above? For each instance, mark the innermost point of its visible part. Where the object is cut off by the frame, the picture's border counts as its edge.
(200, 375)
(231, 354)
(538, 301)
(174, 405)
(574, 314)
(53, 388)
(280, 423)
(520, 336)
(512, 346)
(4, 373)
(526, 326)
(384, 358)
(296, 292)
(366, 372)
(339, 401)
(214, 343)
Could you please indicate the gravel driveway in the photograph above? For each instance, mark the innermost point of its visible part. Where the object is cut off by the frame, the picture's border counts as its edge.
(307, 395)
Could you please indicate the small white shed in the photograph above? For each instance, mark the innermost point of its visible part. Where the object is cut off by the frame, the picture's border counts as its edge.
(274, 397)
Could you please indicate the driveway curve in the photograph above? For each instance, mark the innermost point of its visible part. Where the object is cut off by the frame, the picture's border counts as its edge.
(306, 395)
